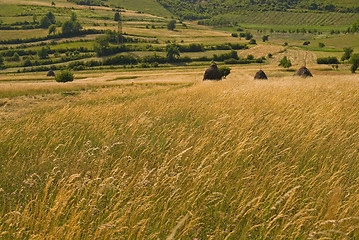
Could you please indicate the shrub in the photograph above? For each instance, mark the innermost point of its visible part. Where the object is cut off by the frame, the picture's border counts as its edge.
(193, 47)
(171, 25)
(253, 41)
(354, 60)
(321, 45)
(27, 63)
(120, 60)
(231, 61)
(285, 62)
(225, 71)
(64, 76)
(250, 57)
(154, 58)
(232, 54)
(328, 60)
(347, 53)
(235, 35)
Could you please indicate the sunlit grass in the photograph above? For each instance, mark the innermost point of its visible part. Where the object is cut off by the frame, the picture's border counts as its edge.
(237, 159)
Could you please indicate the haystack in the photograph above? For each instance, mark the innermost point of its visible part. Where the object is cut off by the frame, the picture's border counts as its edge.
(303, 72)
(212, 73)
(50, 73)
(260, 75)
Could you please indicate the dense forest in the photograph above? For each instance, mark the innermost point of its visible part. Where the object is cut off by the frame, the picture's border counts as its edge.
(200, 9)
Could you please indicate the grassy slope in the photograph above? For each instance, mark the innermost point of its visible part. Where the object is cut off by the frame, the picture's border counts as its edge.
(236, 159)
(147, 6)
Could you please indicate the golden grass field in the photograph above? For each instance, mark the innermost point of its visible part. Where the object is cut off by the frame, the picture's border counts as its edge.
(167, 156)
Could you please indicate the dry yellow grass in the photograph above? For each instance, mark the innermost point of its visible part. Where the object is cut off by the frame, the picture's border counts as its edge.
(237, 159)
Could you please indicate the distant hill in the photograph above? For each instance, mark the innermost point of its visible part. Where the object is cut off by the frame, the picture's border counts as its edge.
(201, 9)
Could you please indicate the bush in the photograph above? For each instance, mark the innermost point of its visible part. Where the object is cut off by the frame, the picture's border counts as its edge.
(347, 53)
(225, 71)
(285, 62)
(328, 60)
(253, 41)
(120, 60)
(171, 25)
(231, 61)
(235, 35)
(232, 54)
(354, 60)
(193, 47)
(154, 58)
(64, 76)
(250, 57)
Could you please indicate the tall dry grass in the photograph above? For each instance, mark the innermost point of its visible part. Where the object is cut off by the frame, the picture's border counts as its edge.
(216, 160)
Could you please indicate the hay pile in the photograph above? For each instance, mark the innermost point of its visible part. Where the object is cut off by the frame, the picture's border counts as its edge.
(260, 75)
(212, 73)
(303, 72)
(50, 74)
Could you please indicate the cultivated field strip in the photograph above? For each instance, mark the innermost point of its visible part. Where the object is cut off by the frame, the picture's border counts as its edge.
(296, 19)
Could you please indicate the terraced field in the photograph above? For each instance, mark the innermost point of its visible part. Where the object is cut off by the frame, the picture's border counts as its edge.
(294, 18)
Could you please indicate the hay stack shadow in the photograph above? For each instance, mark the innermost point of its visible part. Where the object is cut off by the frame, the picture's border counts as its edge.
(303, 72)
(260, 75)
(212, 73)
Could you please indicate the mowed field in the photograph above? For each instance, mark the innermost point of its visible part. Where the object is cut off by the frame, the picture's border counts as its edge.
(168, 156)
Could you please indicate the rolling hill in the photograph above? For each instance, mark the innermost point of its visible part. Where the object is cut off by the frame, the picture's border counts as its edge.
(195, 9)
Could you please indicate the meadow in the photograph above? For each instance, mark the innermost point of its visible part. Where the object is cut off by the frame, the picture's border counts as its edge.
(182, 159)
(150, 151)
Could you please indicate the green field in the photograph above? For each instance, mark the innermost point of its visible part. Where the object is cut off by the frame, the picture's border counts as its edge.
(293, 19)
(147, 6)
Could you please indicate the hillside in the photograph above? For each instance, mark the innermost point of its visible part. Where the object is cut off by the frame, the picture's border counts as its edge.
(195, 9)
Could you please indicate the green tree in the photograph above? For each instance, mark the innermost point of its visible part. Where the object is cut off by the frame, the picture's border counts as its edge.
(73, 17)
(51, 17)
(117, 16)
(45, 22)
(43, 53)
(265, 38)
(321, 45)
(52, 29)
(285, 62)
(173, 52)
(1, 61)
(71, 27)
(101, 45)
(171, 25)
(354, 60)
(347, 53)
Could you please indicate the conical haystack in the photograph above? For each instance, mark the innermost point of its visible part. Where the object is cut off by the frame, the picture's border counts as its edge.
(260, 75)
(303, 72)
(212, 73)
(50, 73)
